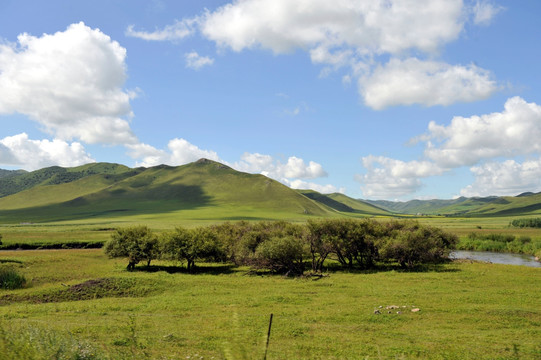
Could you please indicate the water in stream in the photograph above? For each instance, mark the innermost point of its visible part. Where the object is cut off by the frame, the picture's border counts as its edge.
(497, 258)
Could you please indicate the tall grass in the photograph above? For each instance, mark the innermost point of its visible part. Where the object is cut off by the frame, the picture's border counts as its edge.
(24, 342)
(10, 279)
(498, 242)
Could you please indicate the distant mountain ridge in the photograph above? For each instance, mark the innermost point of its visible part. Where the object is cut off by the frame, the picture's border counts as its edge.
(527, 202)
(206, 190)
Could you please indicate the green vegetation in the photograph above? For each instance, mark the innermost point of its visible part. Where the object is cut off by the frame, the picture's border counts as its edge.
(500, 243)
(527, 222)
(468, 311)
(282, 247)
(11, 279)
(135, 243)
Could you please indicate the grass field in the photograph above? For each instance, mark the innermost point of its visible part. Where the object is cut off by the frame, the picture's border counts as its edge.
(468, 311)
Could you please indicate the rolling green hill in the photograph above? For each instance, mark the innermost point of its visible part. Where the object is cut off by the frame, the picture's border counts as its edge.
(343, 203)
(201, 190)
(204, 191)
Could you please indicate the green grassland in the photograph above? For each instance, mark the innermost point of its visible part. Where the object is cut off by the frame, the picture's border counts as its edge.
(468, 310)
(80, 304)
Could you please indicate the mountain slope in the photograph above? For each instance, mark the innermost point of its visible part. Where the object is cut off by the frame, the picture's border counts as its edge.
(106, 190)
(343, 203)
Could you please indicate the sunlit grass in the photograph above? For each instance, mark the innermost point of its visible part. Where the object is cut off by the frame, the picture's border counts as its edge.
(468, 310)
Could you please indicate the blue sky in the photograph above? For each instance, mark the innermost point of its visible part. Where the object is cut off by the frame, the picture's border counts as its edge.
(379, 99)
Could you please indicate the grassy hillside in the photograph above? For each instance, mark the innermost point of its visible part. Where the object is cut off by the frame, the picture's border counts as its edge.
(345, 204)
(510, 205)
(200, 190)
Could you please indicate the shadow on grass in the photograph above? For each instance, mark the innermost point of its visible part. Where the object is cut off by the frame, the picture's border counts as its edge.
(5, 261)
(378, 268)
(199, 269)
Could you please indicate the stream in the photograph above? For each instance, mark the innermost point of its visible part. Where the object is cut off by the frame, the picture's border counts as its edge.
(497, 258)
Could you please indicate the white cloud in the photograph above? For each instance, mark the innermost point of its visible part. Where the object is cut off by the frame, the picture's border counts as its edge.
(357, 34)
(19, 150)
(304, 185)
(505, 178)
(466, 141)
(179, 30)
(388, 178)
(369, 27)
(70, 82)
(266, 165)
(180, 152)
(413, 81)
(196, 61)
(484, 11)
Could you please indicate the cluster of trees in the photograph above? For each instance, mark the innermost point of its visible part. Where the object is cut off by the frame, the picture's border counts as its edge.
(526, 222)
(284, 247)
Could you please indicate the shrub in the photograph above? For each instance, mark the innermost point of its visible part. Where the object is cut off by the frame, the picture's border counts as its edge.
(526, 222)
(192, 244)
(281, 255)
(136, 243)
(410, 243)
(10, 279)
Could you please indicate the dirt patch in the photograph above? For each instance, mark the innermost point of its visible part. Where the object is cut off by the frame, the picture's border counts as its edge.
(88, 290)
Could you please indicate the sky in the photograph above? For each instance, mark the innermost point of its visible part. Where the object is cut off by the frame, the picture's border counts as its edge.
(377, 99)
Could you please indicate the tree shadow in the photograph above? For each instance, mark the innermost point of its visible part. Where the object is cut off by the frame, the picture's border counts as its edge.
(198, 269)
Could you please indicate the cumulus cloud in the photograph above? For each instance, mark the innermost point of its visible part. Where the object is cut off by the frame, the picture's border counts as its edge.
(467, 141)
(372, 26)
(484, 12)
(413, 81)
(304, 185)
(357, 34)
(180, 152)
(70, 82)
(388, 178)
(196, 61)
(265, 164)
(177, 31)
(506, 178)
(19, 150)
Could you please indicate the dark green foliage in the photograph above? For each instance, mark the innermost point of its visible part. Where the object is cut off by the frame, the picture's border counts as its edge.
(0, 239)
(410, 243)
(282, 247)
(351, 241)
(10, 279)
(528, 222)
(190, 245)
(136, 243)
(281, 255)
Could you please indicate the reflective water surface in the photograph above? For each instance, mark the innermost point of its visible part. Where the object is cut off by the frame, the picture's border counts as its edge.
(497, 258)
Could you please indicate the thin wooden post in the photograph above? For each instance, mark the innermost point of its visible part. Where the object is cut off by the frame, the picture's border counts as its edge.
(268, 337)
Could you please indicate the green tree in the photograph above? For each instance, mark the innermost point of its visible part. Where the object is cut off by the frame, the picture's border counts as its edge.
(136, 243)
(281, 254)
(192, 244)
(410, 243)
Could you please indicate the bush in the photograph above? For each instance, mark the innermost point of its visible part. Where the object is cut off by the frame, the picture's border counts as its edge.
(137, 243)
(281, 255)
(192, 244)
(10, 279)
(527, 222)
(410, 243)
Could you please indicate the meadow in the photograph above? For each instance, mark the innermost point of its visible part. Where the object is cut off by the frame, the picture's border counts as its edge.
(467, 311)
